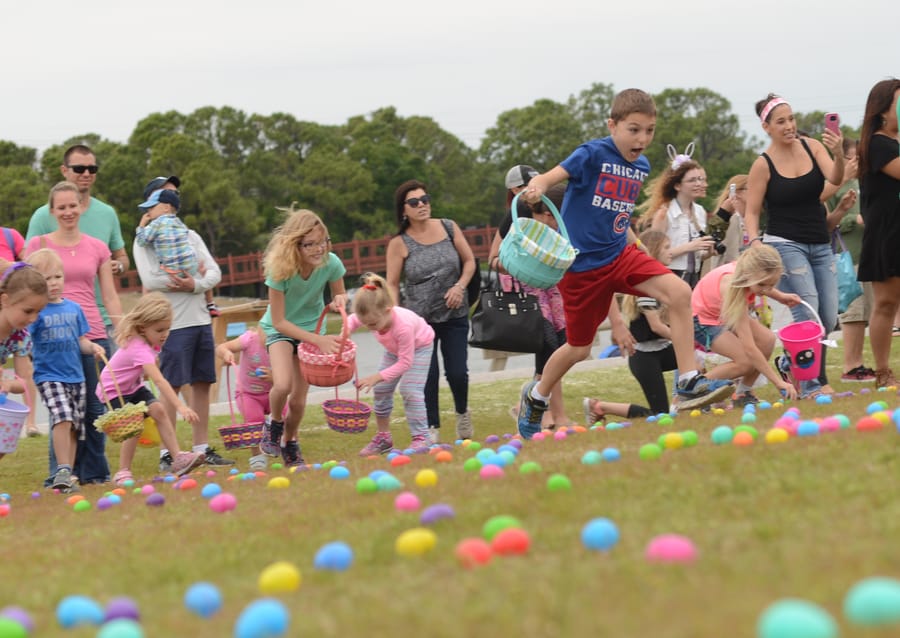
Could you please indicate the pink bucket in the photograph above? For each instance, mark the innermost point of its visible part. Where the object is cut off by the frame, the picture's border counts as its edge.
(803, 345)
(12, 418)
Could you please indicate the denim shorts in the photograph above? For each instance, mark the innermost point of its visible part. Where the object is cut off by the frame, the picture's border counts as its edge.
(705, 335)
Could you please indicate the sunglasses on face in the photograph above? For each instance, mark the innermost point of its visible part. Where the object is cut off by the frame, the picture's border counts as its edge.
(413, 202)
(81, 168)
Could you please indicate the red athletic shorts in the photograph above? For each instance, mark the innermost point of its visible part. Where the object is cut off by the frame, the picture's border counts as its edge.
(587, 295)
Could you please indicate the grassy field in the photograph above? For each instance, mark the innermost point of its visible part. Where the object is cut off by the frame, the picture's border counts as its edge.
(807, 518)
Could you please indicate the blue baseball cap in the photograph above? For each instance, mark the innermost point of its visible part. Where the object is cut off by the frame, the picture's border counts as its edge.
(162, 196)
(158, 182)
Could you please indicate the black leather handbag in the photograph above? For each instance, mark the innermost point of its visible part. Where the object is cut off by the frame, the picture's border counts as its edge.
(507, 321)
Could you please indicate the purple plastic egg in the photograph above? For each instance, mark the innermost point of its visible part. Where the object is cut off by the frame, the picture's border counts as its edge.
(436, 512)
(122, 607)
(156, 499)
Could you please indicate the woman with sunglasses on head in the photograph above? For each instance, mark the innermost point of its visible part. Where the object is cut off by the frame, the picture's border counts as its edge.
(879, 185)
(788, 178)
(437, 263)
(675, 212)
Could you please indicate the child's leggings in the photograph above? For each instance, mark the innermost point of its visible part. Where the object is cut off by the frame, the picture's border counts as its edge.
(412, 389)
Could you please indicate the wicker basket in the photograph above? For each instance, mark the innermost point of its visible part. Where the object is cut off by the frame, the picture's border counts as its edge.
(328, 370)
(120, 424)
(533, 252)
(238, 435)
(345, 415)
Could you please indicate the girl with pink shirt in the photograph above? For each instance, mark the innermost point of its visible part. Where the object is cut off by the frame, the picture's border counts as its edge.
(140, 337)
(408, 342)
(721, 303)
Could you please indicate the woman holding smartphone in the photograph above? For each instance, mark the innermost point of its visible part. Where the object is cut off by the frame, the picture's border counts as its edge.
(789, 177)
(879, 185)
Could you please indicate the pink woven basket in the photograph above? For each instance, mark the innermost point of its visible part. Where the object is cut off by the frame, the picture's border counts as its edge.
(238, 435)
(345, 415)
(328, 370)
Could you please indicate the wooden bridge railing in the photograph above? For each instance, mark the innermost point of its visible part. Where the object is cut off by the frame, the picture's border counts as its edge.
(359, 256)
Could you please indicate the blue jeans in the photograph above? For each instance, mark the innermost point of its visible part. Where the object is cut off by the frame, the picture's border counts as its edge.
(91, 465)
(452, 337)
(809, 271)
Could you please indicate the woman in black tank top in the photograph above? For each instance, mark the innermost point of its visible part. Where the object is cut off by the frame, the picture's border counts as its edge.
(789, 177)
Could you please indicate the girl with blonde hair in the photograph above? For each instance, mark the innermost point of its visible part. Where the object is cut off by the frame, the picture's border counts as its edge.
(140, 336)
(721, 304)
(298, 264)
(408, 342)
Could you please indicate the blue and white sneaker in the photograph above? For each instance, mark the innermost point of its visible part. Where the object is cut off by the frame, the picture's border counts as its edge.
(530, 412)
(699, 391)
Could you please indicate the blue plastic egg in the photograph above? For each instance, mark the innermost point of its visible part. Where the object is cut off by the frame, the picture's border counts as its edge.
(335, 556)
(263, 618)
(204, 599)
(600, 534)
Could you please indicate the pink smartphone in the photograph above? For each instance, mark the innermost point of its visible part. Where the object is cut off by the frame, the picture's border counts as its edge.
(833, 123)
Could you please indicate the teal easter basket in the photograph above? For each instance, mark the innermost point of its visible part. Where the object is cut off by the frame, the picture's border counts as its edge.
(534, 253)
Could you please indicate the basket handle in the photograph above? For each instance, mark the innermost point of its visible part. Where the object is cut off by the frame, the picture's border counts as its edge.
(355, 385)
(828, 342)
(112, 375)
(345, 334)
(550, 206)
(228, 389)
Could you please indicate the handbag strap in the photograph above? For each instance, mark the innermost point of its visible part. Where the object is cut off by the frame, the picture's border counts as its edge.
(837, 240)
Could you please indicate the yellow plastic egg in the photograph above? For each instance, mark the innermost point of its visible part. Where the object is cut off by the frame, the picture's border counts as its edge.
(426, 478)
(279, 578)
(415, 542)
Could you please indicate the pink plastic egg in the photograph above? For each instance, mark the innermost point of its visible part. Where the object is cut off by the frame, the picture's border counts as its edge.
(671, 548)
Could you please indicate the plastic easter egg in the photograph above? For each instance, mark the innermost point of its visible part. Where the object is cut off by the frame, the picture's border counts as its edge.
(497, 524)
(203, 599)
(722, 435)
(764, 405)
(538, 436)
(407, 502)
(807, 428)
(388, 483)
(17, 615)
(591, 457)
(791, 618)
(873, 602)
(443, 456)
(749, 429)
(824, 399)
(495, 459)
(530, 467)
(868, 424)
(690, 438)
(671, 548)
(559, 483)
(472, 552)
(742, 439)
(512, 541)
(491, 438)
(426, 478)
(74, 499)
(278, 578)
(339, 472)
(844, 420)
(400, 459)
(649, 452)
(652, 418)
(279, 483)
(103, 503)
(221, 503)
(114, 499)
(82, 506)
(777, 435)
(474, 446)
(415, 542)
(829, 424)
(876, 406)
(665, 420)
(484, 454)
(5, 509)
(611, 454)
(121, 628)
(210, 489)
(672, 441)
(883, 415)
(508, 448)
(187, 484)
(122, 607)
(155, 500)
(335, 556)
(748, 418)
(10, 628)
(490, 471)
(472, 465)
(149, 489)
(599, 534)
(366, 485)
(432, 514)
(77, 611)
(263, 618)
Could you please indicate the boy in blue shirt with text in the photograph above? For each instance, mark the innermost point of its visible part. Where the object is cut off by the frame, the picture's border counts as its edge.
(605, 177)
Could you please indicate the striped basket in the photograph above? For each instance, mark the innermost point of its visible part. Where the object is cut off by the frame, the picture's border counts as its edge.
(125, 422)
(533, 252)
(345, 415)
(238, 435)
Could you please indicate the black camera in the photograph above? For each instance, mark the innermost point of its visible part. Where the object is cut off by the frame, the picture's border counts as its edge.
(717, 236)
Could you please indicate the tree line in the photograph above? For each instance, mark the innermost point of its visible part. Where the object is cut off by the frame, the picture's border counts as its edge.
(237, 169)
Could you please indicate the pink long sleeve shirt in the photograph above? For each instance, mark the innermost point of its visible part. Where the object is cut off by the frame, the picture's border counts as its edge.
(408, 333)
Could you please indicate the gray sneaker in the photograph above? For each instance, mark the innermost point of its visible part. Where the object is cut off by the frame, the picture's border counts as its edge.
(464, 429)
(270, 443)
(213, 457)
(165, 463)
(259, 462)
(64, 481)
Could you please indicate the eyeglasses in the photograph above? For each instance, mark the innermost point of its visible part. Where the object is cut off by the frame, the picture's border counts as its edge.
(696, 180)
(413, 202)
(312, 245)
(81, 168)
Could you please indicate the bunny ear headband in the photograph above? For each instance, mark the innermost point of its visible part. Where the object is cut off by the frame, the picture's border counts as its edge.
(678, 160)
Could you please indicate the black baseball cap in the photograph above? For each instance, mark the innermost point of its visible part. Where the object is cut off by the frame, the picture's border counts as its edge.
(158, 182)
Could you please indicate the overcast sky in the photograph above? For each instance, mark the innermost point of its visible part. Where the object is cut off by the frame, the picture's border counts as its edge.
(100, 66)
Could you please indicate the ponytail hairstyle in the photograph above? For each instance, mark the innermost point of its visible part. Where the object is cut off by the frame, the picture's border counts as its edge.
(20, 279)
(60, 187)
(151, 308)
(373, 298)
(653, 241)
(754, 266)
(283, 257)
